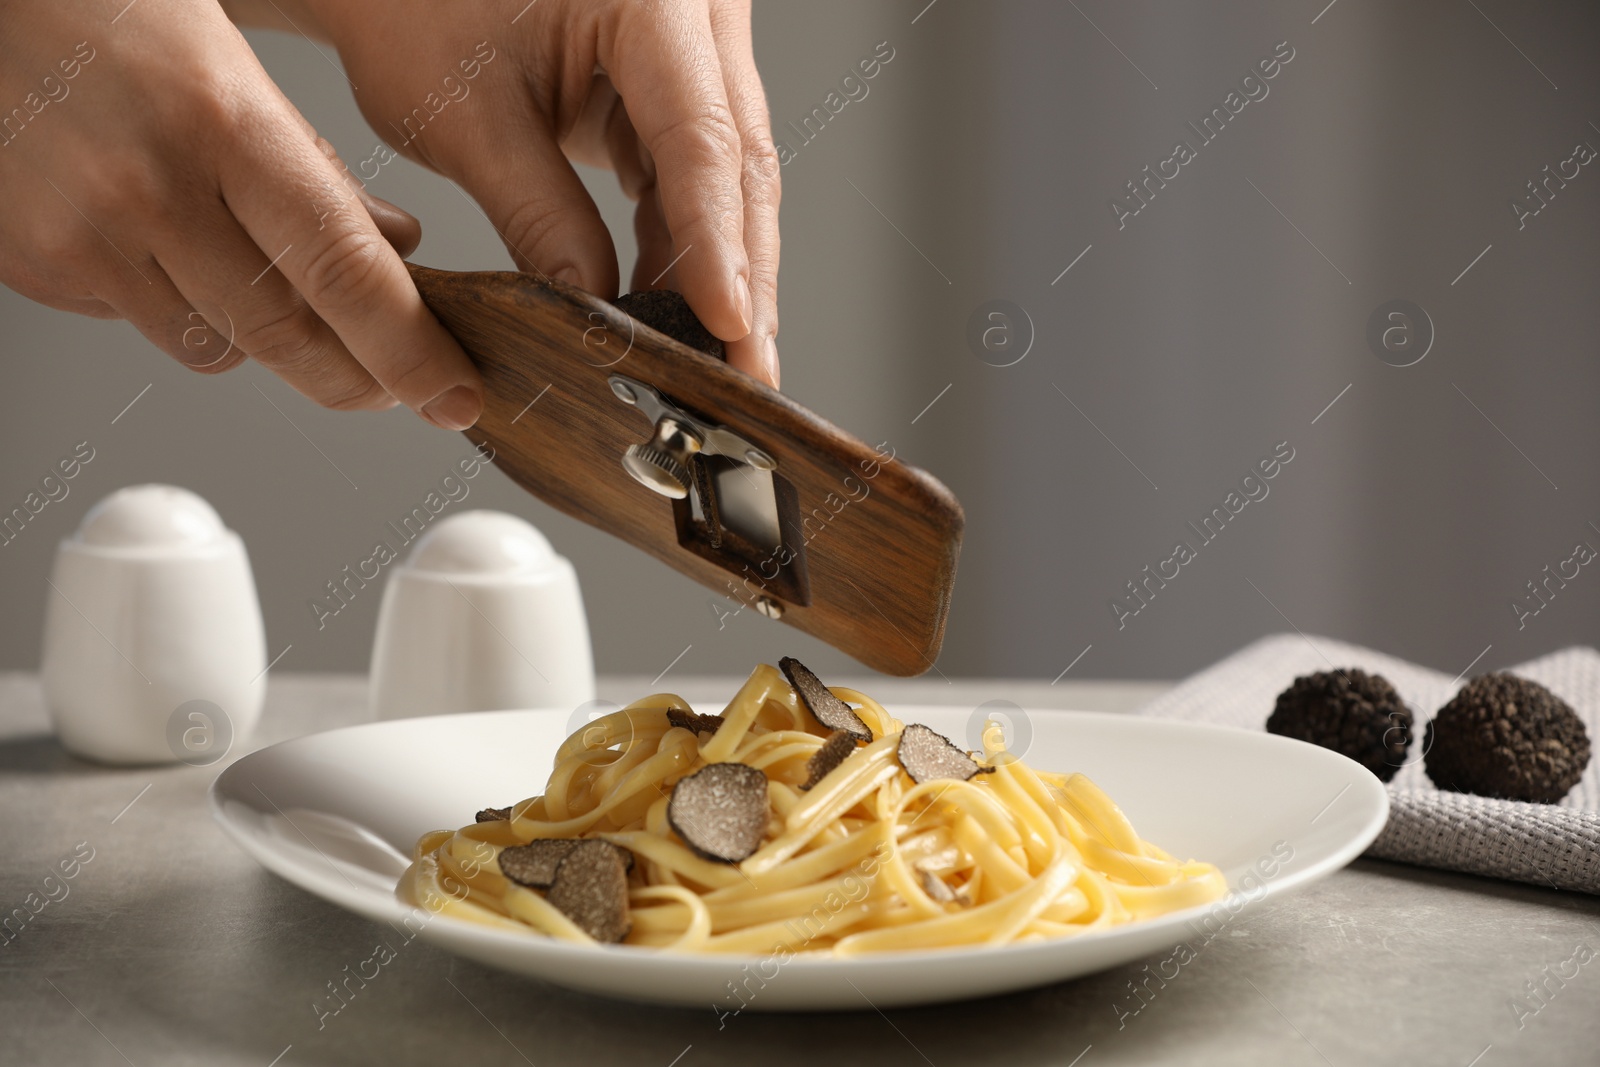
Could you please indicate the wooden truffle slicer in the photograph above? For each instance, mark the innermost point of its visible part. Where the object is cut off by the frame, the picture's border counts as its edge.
(705, 468)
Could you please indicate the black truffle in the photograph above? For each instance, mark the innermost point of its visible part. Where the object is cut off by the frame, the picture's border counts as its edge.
(928, 755)
(1504, 736)
(535, 863)
(669, 312)
(493, 815)
(834, 751)
(591, 889)
(694, 722)
(1350, 711)
(721, 811)
(828, 709)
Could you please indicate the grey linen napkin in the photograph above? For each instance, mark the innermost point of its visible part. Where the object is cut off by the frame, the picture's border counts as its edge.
(1555, 845)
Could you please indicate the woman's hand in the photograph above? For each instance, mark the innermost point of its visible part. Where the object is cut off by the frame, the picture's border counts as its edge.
(500, 94)
(152, 171)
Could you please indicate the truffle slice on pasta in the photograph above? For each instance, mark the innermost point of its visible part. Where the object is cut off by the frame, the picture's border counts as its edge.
(694, 722)
(535, 863)
(928, 755)
(829, 710)
(721, 811)
(591, 889)
(834, 751)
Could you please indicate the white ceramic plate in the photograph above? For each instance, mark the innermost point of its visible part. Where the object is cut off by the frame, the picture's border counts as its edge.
(337, 814)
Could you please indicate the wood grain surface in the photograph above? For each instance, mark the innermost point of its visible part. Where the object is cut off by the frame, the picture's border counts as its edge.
(870, 542)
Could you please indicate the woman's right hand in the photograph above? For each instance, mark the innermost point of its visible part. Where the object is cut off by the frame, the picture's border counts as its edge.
(152, 171)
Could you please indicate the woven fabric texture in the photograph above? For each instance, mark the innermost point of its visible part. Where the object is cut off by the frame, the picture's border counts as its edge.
(1555, 845)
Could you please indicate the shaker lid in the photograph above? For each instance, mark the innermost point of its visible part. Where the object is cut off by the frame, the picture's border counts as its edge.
(482, 543)
(152, 517)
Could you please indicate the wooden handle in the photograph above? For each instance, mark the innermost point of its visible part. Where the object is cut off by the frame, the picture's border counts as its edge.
(869, 542)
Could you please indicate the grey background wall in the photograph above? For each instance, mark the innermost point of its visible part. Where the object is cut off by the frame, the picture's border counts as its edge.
(1177, 351)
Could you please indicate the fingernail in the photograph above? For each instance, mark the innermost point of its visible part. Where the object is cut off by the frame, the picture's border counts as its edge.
(454, 409)
(769, 353)
(741, 289)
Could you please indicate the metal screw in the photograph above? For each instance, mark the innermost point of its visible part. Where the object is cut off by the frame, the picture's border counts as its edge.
(624, 393)
(760, 460)
(769, 607)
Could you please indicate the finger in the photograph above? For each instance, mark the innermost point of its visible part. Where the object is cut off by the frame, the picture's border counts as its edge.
(91, 306)
(142, 292)
(665, 64)
(653, 269)
(287, 197)
(398, 226)
(539, 206)
(53, 284)
(625, 152)
(93, 263)
(54, 259)
(636, 173)
(253, 310)
(756, 353)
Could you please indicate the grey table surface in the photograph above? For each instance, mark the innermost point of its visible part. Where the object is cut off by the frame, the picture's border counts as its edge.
(170, 946)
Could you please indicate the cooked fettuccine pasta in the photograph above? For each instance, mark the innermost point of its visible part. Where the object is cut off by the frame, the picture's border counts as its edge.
(896, 842)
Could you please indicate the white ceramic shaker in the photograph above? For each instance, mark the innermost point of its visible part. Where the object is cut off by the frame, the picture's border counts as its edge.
(483, 615)
(153, 645)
